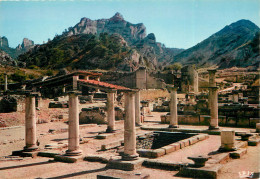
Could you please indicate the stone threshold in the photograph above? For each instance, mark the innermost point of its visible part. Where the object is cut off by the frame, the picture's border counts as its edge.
(155, 153)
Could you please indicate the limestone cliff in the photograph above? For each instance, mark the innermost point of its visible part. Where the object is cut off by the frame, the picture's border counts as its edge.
(116, 24)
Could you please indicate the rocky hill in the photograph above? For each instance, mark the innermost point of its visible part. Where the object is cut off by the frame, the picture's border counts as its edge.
(105, 43)
(5, 59)
(15, 52)
(116, 24)
(85, 51)
(235, 45)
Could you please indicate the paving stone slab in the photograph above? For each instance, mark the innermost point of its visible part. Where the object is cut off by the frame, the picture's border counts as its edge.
(238, 154)
(125, 165)
(165, 165)
(119, 174)
(209, 171)
(68, 159)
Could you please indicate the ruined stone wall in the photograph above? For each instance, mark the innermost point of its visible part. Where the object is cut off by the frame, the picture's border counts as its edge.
(139, 79)
(119, 78)
(167, 77)
(154, 83)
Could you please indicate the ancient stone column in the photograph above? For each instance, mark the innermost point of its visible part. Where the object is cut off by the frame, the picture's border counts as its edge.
(235, 97)
(213, 98)
(196, 82)
(129, 128)
(227, 140)
(5, 88)
(86, 77)
(212, 82)
(173, 108)
(75, 82)
(111, 111)
(73, 147)
(64, 89)
(30, 123)
(137, 109)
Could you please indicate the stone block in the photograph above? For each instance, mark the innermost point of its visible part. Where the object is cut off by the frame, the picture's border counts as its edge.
(158, 153)
(165, 165)
(186, 142)
(227, 140)
(50, 154)
(176, 145)
(111, 145)
(253, 142)
(95, 158)
(145, 152)
(182, 144)
(169, 148)
(238, 154)
(193, 140)
(68, 159)
(125, 165)
(201, 137)
(204, 172)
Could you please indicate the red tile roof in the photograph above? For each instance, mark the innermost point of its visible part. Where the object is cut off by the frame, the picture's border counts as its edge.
(103, 84)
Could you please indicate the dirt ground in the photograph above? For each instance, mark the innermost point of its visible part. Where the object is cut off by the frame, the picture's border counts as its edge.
(13, 139)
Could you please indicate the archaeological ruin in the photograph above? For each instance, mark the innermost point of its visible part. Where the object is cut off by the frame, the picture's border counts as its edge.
(189, 122)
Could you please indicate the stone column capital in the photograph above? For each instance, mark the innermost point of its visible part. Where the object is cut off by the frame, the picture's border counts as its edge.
(112, 91)
(171, 88)
(213, 88)
(133, 91)
(74, 92)
(32, 94)
(212, 71)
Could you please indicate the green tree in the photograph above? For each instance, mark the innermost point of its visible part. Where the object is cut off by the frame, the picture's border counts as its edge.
(176, 67)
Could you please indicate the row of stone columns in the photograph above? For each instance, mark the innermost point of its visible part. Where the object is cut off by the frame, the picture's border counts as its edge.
(131, 104)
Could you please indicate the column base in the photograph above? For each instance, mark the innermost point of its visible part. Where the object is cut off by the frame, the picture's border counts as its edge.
(128, 157)
(73, 153)
(173, 126)
(109, 130)
(138, 125)
(213, 128)
(30, 149)
(224, 149)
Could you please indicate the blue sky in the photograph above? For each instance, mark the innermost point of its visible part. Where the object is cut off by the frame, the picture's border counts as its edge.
(176, 23)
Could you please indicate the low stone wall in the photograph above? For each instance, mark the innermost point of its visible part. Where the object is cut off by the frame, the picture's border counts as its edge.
(205, 120)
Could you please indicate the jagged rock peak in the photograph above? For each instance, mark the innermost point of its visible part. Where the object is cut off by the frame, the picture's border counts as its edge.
(27, 43)
(4, 42)
(117, 17)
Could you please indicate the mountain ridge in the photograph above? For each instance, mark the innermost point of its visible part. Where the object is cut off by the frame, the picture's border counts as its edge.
(217, 47)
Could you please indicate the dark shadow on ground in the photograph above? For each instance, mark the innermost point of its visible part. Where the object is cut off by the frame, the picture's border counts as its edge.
(57, 140)
(26, 165)
(80, 173)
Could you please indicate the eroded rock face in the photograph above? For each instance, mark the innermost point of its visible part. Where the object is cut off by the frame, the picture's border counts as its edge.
(5, 59)
(116, 24)
(4, 42)
(27, 43)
